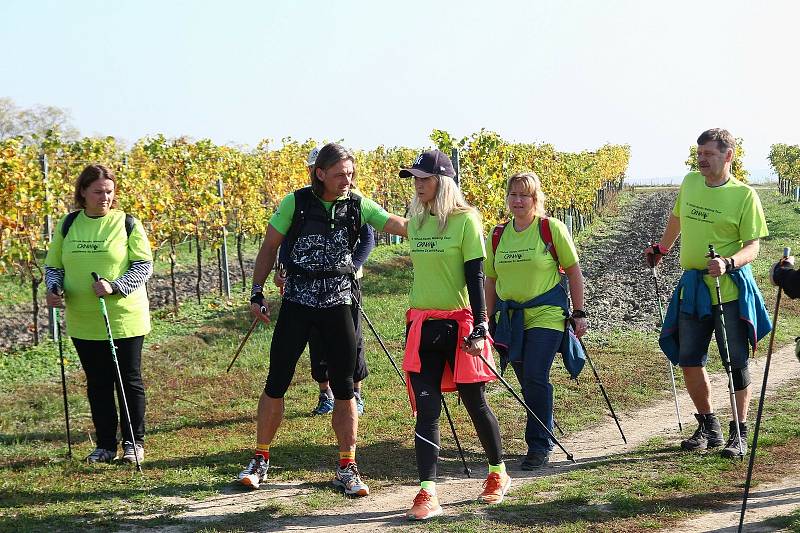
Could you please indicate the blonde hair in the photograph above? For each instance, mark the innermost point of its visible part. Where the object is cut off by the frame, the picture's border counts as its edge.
(530, 184)
(448, 201)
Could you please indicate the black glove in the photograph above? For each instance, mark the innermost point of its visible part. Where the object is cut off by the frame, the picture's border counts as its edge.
(258, 298)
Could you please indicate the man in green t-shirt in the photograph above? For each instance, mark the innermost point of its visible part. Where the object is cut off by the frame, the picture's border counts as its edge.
(714, 208)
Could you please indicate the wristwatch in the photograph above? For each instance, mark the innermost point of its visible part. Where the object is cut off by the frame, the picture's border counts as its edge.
(579, 313)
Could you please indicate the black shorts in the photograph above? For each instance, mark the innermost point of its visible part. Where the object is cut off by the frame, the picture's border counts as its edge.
(336, 330)
(318, 350)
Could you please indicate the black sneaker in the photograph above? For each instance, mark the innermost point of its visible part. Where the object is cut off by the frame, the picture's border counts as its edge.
(732, 449)
(707, 435)
(535, 460)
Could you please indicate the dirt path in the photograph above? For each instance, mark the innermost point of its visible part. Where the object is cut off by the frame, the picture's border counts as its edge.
(385, 509)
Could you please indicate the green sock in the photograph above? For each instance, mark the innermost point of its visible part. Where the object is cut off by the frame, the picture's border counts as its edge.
(497, 469)
(429, 486)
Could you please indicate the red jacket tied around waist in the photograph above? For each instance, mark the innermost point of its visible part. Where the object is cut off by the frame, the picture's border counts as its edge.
(468, 368)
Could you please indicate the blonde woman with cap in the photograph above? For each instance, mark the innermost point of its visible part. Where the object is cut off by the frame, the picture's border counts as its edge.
(446, 306)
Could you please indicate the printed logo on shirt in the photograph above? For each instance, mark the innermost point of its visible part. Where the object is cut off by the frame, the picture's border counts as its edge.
(515, 256)
(88, 247)
(430, 244)
(701, 213)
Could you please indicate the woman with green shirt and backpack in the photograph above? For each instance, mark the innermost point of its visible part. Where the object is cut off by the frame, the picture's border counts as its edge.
(99, 238)
(525, 262)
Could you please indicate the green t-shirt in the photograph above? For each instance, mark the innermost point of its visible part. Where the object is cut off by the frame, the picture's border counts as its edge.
(371, 213)
(525, 269)
(439, 258)
(101, 245)
(726, 216)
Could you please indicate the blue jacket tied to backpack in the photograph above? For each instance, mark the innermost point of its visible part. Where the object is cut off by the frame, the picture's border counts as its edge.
(696, 301)
(510, 329)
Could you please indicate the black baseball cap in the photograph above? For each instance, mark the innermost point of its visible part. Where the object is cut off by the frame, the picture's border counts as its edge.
(429, 163)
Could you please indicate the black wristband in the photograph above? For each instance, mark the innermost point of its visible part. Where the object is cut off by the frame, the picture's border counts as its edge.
(257, 298)
(579, 313)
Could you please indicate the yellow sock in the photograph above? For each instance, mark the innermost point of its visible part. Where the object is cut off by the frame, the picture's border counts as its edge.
(263, 451)
(345, 458)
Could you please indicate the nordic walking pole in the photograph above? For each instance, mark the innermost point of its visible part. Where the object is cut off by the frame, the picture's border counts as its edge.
(786, 253)
(728, 368)
(525, 405)
(603, 390)
(660, 324)
(467, 471)
(247, 336)
(63, 379)
(104, 312)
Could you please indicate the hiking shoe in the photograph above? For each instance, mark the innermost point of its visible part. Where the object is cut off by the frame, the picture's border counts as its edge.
(128, 454)
(426, 505)
(359, 403)
(255, 473)
(731, 449)
(707, 435)
(324, 406)
(535, 460)
(495, 488)
(349, 480)
(101, 455)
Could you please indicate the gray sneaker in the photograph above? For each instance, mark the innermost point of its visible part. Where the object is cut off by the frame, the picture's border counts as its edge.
(254, 474)
(128, 454)
(349, 480)
(101, 455)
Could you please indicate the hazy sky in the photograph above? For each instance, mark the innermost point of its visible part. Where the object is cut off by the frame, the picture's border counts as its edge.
(576, 74)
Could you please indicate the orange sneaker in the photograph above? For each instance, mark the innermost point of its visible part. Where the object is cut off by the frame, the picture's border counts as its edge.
(495, 488)
(426, 505)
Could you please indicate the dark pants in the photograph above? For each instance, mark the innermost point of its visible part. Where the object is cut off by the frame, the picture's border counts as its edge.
(101, 380)
(292, 331)
(319, 352)
(533, 372)
(437, 347)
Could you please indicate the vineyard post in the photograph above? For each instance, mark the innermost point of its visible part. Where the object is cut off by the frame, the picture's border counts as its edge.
(226, 279)
(48, 233)
(454, 157)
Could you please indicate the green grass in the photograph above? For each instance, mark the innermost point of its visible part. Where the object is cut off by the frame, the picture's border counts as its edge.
(201, 426)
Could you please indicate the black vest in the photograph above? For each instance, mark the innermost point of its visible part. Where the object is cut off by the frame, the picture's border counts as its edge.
(320, 244)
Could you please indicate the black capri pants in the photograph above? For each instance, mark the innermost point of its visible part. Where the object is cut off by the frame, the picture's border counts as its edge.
(335, 328)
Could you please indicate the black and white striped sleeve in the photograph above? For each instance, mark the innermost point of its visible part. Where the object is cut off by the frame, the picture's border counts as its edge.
(136, 276)
(53, 278)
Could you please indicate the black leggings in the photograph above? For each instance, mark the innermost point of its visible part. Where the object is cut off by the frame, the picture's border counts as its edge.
(437, 347)
(101, 379)
(334, 325)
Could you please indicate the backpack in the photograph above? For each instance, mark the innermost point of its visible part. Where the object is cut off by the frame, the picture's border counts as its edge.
(70, 218)
(572, 353)
(544, 232)
(304, 212)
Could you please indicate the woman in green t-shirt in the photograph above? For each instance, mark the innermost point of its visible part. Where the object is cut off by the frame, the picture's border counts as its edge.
(447, 306)
(99, 238)
(521, 266)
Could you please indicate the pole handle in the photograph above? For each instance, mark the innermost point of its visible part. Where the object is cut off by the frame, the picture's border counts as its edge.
(95, 277)
(712, 253)
(787, 251)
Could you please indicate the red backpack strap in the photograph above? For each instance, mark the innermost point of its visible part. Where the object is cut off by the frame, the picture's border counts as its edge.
(497, 232)
(547, 239)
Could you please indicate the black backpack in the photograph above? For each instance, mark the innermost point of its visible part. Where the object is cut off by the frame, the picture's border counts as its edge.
(70, 218)
(302, 200)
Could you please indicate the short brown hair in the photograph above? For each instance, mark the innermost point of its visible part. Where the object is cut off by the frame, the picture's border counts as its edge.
(89, 175)
(723, 137)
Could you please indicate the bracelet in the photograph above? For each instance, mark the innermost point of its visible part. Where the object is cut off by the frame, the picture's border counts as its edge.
(257, 298)
(579, 313)
(256, 289)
